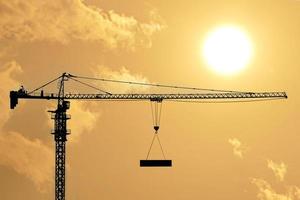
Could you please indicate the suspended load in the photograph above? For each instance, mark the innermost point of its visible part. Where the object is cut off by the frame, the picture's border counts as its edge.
(156, 107)
(156, 163)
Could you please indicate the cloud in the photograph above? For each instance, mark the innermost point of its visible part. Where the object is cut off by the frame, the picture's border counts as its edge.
(7, 82)
(84, 115)
(266, 192)
(279, 169)
(27, 157)
(238, 150)
(24, 155)
(83, 120)
(65, 20)
(122, 74)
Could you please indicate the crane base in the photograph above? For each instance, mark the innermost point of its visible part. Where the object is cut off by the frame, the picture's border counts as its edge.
(155, 163)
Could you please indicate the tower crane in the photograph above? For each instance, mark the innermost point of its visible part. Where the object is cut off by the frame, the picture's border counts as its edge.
(60, 115)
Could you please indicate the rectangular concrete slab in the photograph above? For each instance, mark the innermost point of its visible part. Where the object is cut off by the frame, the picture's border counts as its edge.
(155, 163)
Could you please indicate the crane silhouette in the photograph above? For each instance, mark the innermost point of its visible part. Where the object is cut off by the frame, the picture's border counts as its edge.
(60, 115)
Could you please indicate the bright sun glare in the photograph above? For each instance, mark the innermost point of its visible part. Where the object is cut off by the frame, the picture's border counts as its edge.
(227, 50)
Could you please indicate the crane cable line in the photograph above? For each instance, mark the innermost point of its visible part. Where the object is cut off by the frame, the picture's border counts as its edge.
(73, 77)
(69, 77)
(156, 108)
(155, 85)
(44, 85)
(149, 150)
(161, 147)
(91, 86)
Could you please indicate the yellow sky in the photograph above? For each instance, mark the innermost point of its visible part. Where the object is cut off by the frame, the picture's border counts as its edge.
(219, 151)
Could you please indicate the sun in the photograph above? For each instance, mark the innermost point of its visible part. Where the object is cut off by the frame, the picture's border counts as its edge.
(227, 50)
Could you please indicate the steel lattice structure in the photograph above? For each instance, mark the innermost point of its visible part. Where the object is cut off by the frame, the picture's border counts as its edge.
(207, 96)
(60, 115)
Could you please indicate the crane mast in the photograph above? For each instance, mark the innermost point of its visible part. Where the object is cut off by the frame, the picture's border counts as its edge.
(60, 115)
(60, 136)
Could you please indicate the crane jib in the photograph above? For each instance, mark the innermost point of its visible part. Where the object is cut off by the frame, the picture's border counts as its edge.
(15, 95)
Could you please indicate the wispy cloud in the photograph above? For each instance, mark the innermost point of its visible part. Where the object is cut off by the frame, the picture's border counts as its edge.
(83, 120)
(30, 158)
(266, 192)
(85, 115)
(7, 82)
(122, 74)
(279, 169)
(238, 148)
(65, 20)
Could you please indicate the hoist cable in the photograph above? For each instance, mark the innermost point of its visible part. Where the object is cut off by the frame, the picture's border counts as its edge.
(154, 84)
(159, 109)
(152, 114)
(160, 112)
(156, 114)
(91, 86)
(156, 108)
